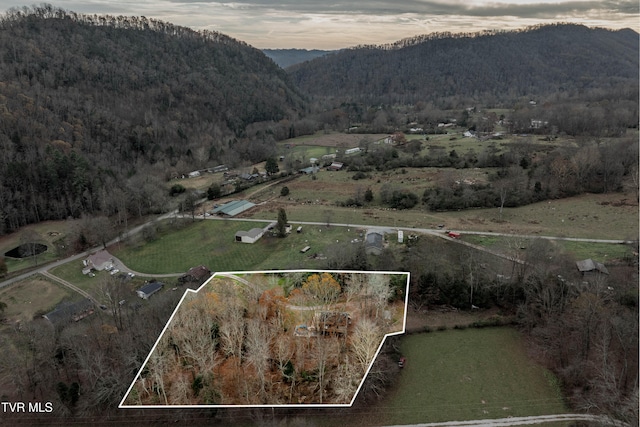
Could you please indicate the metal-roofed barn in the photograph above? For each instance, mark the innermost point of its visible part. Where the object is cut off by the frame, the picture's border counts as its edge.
(233, 208)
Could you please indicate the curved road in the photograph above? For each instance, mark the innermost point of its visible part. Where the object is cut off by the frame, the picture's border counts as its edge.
(386, 229)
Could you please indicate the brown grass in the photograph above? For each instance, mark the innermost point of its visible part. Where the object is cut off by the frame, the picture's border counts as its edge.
(30, 296)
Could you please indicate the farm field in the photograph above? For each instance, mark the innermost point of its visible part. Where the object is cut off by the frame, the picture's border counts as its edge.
(212, 243)
(469, 374)
(31, 296)
(596, 216)
(602, 252)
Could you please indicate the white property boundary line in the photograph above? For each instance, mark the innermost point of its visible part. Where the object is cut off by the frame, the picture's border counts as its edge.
(318, 405)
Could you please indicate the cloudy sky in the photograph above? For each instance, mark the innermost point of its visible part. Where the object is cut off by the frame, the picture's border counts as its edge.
(318, 24)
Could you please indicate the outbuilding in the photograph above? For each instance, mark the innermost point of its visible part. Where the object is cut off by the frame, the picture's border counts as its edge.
(250, 236)
(233, 208)
(149, 289)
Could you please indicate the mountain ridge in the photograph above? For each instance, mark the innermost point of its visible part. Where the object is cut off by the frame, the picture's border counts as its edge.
(494, 65)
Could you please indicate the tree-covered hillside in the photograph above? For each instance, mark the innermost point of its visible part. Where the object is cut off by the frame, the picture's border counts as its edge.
(95, 110)
(490, 67)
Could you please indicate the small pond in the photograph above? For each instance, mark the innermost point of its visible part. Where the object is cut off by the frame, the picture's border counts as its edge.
(26, 250)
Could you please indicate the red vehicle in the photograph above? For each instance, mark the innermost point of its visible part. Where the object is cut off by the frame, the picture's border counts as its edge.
(401, 362)
(453, 234)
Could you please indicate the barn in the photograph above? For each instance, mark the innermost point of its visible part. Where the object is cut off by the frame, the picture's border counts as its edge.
(250, 236)
(233, 208)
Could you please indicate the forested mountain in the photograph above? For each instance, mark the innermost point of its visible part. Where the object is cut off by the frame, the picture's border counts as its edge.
(288, 57)
(490, 67)
(95, 111)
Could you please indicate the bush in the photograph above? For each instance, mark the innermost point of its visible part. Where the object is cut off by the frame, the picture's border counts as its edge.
(176, 189)
(285, 191)
(359, 175)
(403, 199)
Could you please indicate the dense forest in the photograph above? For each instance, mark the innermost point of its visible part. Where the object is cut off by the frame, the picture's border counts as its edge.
(109, 106)
(490, 67)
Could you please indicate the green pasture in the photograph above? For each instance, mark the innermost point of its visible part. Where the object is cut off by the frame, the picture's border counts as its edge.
(469, 374)
(579, 250)
(212, 243)
(306, 151)
(602, 252)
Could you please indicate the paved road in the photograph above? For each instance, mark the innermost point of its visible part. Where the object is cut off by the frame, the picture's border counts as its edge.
(385, 229)
(520, 421)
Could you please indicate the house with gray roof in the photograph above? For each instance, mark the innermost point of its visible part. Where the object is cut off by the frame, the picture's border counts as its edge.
(374, 243)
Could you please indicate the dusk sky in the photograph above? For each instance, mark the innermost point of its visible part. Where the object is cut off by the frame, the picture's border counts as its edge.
(314, 24)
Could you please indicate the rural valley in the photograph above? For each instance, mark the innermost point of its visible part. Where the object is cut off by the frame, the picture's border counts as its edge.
(191, 234)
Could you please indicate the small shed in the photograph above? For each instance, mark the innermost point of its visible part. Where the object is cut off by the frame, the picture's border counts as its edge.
(149, 289)
(335, 166)
(250, 236)
(196, 275)
(308, 171)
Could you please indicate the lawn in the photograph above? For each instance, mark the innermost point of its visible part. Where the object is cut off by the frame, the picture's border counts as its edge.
(602, 252)
(212, 243)
(469, 374)
(31, 296)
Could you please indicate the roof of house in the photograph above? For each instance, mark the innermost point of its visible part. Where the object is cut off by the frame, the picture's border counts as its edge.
(374, 238)
(151, 288)
(589, 265)
(234, 208)
(253, 233)
(310, 169)
(100, 258)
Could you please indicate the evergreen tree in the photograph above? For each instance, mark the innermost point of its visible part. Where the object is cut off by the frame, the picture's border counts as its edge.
(281, 226)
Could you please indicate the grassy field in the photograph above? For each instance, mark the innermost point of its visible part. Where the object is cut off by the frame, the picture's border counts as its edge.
(469, 374)
(596, 216)
(212, 243)
(26, 298)
(602, 252)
